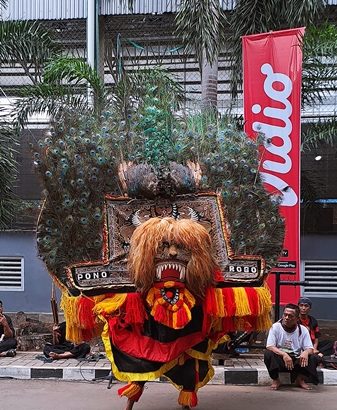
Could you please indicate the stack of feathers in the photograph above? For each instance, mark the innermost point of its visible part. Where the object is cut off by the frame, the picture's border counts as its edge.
(151, 153)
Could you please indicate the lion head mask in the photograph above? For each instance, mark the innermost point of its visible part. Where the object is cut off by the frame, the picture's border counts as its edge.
(166, 250)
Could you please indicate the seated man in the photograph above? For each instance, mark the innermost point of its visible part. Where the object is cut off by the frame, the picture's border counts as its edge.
(321, 347)
(289, 348)
(7, 340)
(63, 349)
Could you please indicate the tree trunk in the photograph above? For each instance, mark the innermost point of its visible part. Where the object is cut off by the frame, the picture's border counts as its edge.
(209, 84)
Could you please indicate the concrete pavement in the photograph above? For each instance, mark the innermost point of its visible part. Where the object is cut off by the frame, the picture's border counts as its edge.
(248, 369)
(58, 394)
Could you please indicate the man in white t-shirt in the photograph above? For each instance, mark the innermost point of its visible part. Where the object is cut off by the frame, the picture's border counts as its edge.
(290, 349)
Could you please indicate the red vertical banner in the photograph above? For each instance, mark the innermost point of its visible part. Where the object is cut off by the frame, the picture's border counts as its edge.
(272, 75)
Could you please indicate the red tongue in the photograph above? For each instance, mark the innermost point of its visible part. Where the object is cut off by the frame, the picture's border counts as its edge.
(170, 274)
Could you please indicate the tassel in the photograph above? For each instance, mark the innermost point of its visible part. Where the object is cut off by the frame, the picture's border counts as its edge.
(134, 309)
(69, 305)
(159, 313)
(188, 398)
(210, 304)
(241, 302)
(220, 302)
(253, 301)
(180, 318)
(265, 303)
(132, 391)
(263, 322)
(85, 314)
(229, 301)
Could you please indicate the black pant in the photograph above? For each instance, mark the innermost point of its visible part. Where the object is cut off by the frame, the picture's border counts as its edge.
(275, 364)
(78, 351)
(8, 344)
(325, 347)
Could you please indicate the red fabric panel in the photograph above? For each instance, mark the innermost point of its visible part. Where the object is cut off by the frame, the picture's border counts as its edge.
(272, 67)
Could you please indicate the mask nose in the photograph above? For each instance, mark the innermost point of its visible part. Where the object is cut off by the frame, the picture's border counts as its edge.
(173, 252)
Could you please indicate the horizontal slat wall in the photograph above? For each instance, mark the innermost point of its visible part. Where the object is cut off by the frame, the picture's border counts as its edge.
(45, 9)
(115, 7)
(76, 9)
(11, 273)
(321, 277)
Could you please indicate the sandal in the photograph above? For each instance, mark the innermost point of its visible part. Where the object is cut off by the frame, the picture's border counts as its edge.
(11, 353)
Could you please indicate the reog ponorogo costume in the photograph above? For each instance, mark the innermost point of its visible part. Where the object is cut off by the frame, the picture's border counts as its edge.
(167, 266)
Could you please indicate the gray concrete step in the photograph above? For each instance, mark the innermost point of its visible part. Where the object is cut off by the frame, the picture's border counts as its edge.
(248, 369)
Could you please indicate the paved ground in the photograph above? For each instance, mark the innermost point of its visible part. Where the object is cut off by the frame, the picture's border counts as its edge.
(56, 395)
(248, 369)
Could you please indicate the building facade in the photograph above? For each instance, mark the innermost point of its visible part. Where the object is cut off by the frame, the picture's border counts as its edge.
(144, 37)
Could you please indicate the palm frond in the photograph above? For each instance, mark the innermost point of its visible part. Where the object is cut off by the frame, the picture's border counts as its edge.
(253, 16)
(26, 44)
(52, 100)
(201, 26)
(8, 172)
(319, 75)
(319, 132)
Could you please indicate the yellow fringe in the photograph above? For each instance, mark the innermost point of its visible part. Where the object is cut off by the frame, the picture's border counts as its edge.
(265, 303)
(263, 322)
(220, 302)
(241, 302)
(69, 305)
(110, 305)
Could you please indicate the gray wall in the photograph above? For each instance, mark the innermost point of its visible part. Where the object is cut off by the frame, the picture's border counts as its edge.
(321, 247)
(316, 246)
(37, 282)
(36, 296)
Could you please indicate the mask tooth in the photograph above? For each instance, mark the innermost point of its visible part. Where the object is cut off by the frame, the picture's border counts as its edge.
(182, 273)
(165, 266)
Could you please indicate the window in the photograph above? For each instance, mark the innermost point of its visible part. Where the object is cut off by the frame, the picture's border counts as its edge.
(321, 277)
(11, 273)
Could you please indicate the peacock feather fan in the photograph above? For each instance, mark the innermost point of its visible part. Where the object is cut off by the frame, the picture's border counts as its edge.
(148, 153)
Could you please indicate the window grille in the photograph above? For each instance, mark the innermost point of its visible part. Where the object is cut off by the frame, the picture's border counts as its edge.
(11, 273)
(321, 277)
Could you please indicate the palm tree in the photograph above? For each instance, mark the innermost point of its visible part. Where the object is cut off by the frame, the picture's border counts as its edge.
(29, 46)
(8, 172)
(252, 17)
(202, 26)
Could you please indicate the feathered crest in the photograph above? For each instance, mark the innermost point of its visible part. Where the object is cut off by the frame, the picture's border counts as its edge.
(149, 153)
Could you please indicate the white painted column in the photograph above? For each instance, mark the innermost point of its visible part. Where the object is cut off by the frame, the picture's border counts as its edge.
(91, 32)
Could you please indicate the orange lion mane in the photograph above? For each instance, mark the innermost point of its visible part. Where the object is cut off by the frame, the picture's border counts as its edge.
(147, 239)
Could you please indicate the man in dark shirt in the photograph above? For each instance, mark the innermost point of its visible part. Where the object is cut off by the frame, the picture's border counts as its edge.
(63, 349)
(321, 347)
(7, 340)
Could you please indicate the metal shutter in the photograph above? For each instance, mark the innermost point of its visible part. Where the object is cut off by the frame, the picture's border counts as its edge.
(11, 273)
(321, 277)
